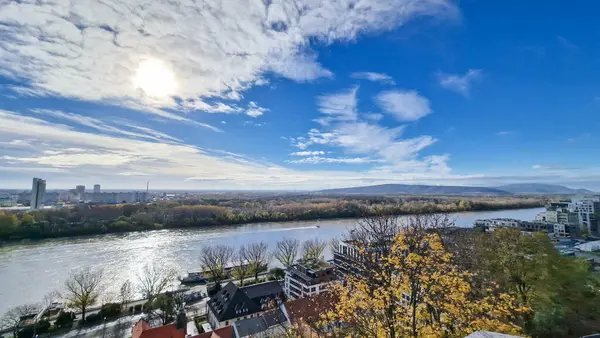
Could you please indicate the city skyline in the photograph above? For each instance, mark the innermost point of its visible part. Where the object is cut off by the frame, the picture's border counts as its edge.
(266, 96)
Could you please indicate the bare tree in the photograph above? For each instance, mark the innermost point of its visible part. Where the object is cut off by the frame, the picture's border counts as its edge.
(240, 265)
(126, 293)
(12, 318)
(334, 244)
(214, 259)
(286, 251)
(257, 257)
(83, 289)
(313, 248)
(155, 279)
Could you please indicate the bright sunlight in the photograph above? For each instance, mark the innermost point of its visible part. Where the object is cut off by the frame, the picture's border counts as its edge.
(155, 78)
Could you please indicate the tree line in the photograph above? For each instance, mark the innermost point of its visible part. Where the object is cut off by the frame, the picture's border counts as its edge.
(101, 219)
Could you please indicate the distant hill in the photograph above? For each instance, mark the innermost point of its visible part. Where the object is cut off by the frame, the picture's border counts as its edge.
(409, 189)
(539, 188)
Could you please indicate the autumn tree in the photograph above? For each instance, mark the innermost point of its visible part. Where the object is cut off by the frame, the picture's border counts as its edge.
(240, 266)
(83, 288)
(408, 286)
(286, 251)
(214, 259)
(155, 279)
(257, 258)
(313, 249)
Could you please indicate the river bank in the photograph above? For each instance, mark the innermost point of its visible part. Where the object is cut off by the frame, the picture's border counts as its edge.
(102, 220)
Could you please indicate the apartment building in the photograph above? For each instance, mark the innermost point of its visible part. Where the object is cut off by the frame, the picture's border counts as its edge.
(307, 278)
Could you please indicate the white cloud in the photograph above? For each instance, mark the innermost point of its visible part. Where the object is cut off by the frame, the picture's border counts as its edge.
(504, 133)
(92, 50)
(102, 125)
(375, 77)
(254, 110)
(340, 106)
(403, 105)
(308, 153)
(345, 160)
(460, 83)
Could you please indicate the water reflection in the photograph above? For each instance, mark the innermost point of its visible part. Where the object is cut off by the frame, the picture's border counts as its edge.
(29, 270)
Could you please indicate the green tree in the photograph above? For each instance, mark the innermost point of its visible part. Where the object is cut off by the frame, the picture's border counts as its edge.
(8, 224)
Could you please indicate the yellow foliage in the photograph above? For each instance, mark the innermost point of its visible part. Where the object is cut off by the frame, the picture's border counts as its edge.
(418, 292)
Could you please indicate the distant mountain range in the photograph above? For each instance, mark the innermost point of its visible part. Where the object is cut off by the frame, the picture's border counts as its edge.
(409, 189)
(538, 188)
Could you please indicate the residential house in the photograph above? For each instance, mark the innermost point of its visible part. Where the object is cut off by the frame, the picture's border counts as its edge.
(233, 303)
(308, 277)
(273, 323)
(142, 329)
(224, 332)
(305, 314)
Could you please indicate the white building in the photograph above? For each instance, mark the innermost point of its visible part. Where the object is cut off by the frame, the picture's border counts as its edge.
(494, 223)
(587, 210)
(307, 278)
(38, 190)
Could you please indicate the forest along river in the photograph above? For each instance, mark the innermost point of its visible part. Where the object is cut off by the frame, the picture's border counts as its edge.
(28, 271)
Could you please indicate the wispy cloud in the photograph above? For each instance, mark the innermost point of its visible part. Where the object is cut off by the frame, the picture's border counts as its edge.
(504, 133)
(405, 106)
(567, 44)
(340, 106)
(308, 153)
(460, 83)
(375, 77)
(254, 110)
(345, 160)
(579, 138)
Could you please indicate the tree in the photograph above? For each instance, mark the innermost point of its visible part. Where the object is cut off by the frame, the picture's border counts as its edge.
(8, 224)
(12, 317)
(286, 251)
(257, 258)
(313, 249)
(126, 293)
(165, 304)
(214, 259)
(155, 279)
(562, 292)
(83, 289)
(425, 295)
(240, 265)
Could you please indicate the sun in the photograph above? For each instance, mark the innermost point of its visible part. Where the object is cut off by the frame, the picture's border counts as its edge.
(155, 78)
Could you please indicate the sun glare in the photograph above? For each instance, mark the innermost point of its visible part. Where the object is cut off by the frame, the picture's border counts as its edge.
(155, 78)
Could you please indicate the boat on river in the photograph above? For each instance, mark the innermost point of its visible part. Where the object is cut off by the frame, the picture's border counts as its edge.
(194, 278)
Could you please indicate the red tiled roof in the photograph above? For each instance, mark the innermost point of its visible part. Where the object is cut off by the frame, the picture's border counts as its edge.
(166, 331)
(310, 308)
(224, 332)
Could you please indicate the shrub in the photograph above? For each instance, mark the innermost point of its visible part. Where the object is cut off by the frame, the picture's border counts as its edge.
(26, 332)
(42, 326)
(110, 310)
(64, 319)
(276, 274)
(93, 318)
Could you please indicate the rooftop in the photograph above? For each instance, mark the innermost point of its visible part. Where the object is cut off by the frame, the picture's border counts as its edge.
(255, 325)
(233, 302)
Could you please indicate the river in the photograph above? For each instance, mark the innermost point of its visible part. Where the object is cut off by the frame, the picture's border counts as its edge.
(30, 270)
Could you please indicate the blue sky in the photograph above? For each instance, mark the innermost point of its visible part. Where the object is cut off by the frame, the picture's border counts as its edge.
(306, 95)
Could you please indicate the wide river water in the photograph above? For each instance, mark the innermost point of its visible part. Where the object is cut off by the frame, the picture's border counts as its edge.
(28, 271)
